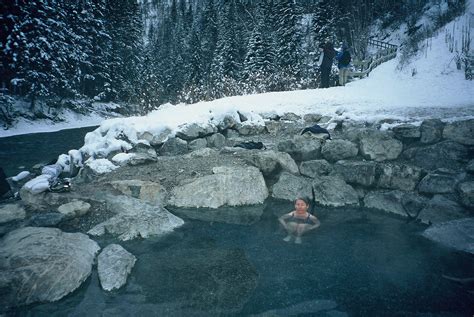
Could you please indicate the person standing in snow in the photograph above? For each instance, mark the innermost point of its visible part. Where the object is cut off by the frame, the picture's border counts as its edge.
(343, 61)
(328, 53)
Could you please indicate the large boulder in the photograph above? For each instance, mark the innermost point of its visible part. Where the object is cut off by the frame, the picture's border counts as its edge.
(302, 147)
(446, 154)
(193, 131)
(232, 186)
(407, 132)
(457, 234)
(174, 146)
(440, 181)
(441, 209)
(271, 162)
(379, 146)
(466, 193)
(460, 131)
(11, 212)
(357, 172)
(151, 192)
(43, 200)
(114, 264)
(135, 218)
(250, 129)
(43, 265)
(398, 176)
(431, 131)
(315, 168)
(289, 187)
(336, 150)
(334, 191)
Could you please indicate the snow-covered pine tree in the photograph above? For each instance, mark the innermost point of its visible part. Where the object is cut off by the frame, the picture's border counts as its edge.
(225, 66)
(124, 25)
(259, 63)
(287, 44)
(208, 36)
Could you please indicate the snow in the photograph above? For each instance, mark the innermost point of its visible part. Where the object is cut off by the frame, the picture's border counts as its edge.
(430, 86)
(101, 166)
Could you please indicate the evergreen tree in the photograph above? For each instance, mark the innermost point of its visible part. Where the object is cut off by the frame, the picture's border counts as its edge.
(287, 44)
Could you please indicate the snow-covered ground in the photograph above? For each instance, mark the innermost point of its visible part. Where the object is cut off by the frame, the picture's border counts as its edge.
(430, 87)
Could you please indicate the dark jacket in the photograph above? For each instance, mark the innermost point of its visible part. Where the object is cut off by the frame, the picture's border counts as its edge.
(343, 58)
(328, 55)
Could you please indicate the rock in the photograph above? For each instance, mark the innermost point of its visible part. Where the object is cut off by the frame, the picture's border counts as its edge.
(290, 116)
(47, 219)
(193, 131)
(379, 146)
(446, 154)
(460, 131)
(151, 192)
(470, 167)
(302, 147)
(440, 209)
(282, 128)
(250, 129)
(43, 200)
(389, 201)
(160, 138)
(356, 172)
(43, 264)
(135, 218)
(146, 136)
(174, 146)
(466, 192)
(197, 144)
(335, 150)
(75, 208)
(431, 131)
(142, 158)
(398, 176)
(228, 122)
(289, 187)
(114, 265)
(315, 168)
(232, 186)
(456, 234)
(205, 152)
(11, 212)
(216, 140)
(271, 162)
(406, 132)
(312, 118)
(333, 191)
(440, 181)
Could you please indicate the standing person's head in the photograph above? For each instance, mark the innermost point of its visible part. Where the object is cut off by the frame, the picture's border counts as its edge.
(302, 204)
(344, 46)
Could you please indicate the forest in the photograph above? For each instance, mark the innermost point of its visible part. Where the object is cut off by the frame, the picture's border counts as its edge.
(152, 52)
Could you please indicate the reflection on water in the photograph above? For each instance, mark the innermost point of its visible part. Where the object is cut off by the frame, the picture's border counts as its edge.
(231, 215)
(357, 263)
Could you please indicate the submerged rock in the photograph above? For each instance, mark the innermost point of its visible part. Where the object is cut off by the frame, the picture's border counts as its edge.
(114, 265)
(441, 209)
(231, 186)
(456, 234)
(43, 264)
(135, 218)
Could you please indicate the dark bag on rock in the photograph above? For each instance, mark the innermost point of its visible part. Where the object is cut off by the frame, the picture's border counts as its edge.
(316, 129)
(250, 145)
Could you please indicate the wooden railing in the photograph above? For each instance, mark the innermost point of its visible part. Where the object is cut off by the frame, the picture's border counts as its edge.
(364, 67)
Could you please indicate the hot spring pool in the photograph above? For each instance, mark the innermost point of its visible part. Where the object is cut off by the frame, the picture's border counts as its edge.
(358, 263)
